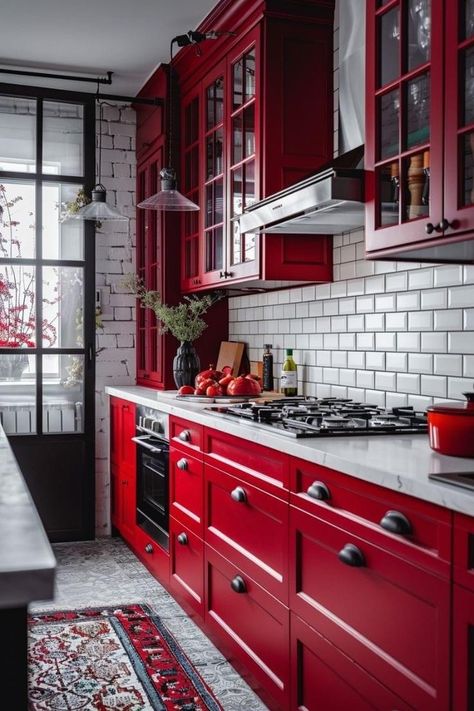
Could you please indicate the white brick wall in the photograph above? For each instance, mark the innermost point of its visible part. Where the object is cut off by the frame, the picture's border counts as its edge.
(388, 333)
(115, 256)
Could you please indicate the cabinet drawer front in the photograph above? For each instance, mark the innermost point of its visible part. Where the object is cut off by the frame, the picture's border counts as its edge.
(317, 686)
(186, 489)
(253, 625)
(187, 565)
(249, 527)
(264, 467)
(464, 550)
(153, 556)
(388, 615)
(186, 434)
(463, 649)
(428, 537)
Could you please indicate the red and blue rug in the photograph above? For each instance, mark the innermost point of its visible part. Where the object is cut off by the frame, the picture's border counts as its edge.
(120, 658)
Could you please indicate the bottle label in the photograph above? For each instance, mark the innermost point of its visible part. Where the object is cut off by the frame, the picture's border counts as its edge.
(288, 379)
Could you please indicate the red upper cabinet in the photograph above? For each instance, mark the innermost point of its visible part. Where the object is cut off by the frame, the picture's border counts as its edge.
(250, 126)
(419, 123)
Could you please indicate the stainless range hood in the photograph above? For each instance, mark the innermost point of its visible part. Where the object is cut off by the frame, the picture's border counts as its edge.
(329, 202)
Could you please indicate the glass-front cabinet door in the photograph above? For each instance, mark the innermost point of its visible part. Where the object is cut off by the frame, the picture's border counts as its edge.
(404, 121)
(190, 252)
(459, 117)
(243, 176)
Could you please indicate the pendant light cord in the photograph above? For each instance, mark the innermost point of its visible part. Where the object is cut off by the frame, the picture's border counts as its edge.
(100, 139)
(170, 108)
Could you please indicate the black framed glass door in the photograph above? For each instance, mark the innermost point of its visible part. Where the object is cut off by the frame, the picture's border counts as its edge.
(47, 308)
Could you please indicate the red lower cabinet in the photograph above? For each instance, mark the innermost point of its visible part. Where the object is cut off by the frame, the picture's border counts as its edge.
(388, 615)
(186, 488)
(252, 624)
(152, 555)
(325, 679)
(187, 566)
(463, 649)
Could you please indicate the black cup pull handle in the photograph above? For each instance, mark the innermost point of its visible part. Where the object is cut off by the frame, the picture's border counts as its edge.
(429, 228)
(238, 584)
(318, 490)
(351, 555)
(396, 522)
(182, 539)
(239, 494)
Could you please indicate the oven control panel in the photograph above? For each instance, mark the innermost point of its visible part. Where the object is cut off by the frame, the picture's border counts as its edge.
(151, 421)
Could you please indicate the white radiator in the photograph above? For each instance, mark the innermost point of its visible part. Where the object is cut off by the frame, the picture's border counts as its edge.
(57, 418)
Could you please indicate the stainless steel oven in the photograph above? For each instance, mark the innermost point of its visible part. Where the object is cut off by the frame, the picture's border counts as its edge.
(152, 439)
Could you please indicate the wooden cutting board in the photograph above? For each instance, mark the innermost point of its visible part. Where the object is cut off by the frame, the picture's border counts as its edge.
(230, 353)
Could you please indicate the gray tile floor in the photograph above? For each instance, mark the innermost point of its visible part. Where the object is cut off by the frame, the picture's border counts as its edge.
(105, 572)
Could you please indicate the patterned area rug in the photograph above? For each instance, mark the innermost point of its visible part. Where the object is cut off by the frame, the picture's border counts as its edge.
(111, 658)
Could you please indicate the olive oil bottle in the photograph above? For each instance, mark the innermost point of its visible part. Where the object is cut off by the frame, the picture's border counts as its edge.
(289, 376)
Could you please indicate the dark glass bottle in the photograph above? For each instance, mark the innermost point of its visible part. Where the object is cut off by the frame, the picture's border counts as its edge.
(267, 368)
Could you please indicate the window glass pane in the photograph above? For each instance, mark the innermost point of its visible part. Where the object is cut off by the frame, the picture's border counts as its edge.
(389, 194)
(416, 179)
(17, 220)
(389, 114)
(250, 74)
(63, 307)
(17, 134)
(63, 138)
(467, 190)
(418, 110)
(61, 239)
(63, 393)
(18, 393)
(389, 43)
(17, 306)
(419, 32)
(469, 86)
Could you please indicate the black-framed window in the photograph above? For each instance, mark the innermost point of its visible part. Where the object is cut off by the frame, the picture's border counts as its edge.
(47, 265)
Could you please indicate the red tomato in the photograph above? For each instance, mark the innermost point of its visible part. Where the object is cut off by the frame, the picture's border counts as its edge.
(227, 370)
(213, 390)
(186, 390)
(243, 386)
(224, 382)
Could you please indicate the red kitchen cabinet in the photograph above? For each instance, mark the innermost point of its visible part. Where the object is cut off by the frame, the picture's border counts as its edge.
(186, 489)
(187, 566)
(325, 679)
(385, 613)
(250, 127)
(420, 130)
(252, 624)
(123, 467)
(464, 551)
(463, 649)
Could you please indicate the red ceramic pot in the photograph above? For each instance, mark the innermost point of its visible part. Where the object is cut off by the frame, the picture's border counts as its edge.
(451, 427)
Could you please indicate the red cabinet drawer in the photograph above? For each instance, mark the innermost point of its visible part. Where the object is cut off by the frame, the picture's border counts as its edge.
(464, 550)
(186, 434)
(463, 649)
(253, 625)
(264, 467)
(366, 610)
(152, 555)
(353, 501)
(324, 679)
(249, 527)
(186, 489)
(187, 565)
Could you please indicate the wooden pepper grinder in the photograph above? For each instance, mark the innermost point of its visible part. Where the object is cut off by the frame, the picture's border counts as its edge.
(415, 180)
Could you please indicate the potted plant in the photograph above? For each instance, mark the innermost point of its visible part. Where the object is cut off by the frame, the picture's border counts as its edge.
(184, 321)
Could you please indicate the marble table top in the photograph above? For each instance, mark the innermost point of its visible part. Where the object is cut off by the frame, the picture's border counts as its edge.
(27, 563)
(398, 462)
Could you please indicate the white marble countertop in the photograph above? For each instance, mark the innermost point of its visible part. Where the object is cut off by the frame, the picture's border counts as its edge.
(27, 563)
(399, 462)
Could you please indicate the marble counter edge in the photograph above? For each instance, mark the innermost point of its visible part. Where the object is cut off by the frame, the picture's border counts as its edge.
(360, 458)
(27, 562)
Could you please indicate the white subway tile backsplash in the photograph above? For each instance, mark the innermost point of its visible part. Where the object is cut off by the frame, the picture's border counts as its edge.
(408, 300)
(434, 299)
(375, 284)
(365, 379)
(385, 381)
(365, 304)
(385, 302)
(347, 270)
(433, 385)
(469, 319)
(374, 360)
(331, 375)
(461, 342)
(447, 364)
(434, 342)
(348, 253)
(338, 324)
(420, 363)
(448, 275)
(315, 308)
(397, 281)
(330, 341)
(347, 341)
(397, 321)
(396, 361)
(323, 291)
(339, 359)
(355, 359)
(396, 400)
(355, 287)
(323, 324)
(355, 323)
(385, 341)
(408, 383)
(461, 296)
(365, 341)
(468, 366)
(347, 306)
(374, 322)
(468, 274)
(420, 279)
(323, 358)
(302, 310)
(338, 289)
(448, 320)
(331, 308)
(420, 321)
(458, 386)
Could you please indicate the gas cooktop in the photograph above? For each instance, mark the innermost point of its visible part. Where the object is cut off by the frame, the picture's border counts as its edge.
(324, 417)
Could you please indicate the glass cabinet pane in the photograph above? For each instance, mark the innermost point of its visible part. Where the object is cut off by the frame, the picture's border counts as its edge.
(63, 138)
(389, 117)
(467, 147)
(214, 249)
(17, 306)
(389, 43)
(469, 86)
(62, 238)
(249, 129)
(218, 201)
(17, 220)
(214, 153)
(237, 138)
(249, 184)
(249, 247)
(466, 9)
(17, 134)
(63, 393)
(191, 169)
(416, 186)
(388, 188)
(249, 74)
(237, 192)
(237, 83)
(418, 110)
(62, 324)
(419, 32)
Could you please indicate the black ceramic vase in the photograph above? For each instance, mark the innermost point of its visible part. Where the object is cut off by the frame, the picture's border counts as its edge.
(185, 364)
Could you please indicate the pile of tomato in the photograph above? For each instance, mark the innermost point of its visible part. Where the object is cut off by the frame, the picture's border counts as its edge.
(212, 383)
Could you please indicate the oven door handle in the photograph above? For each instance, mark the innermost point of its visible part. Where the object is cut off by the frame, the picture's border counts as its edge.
(140, 441)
